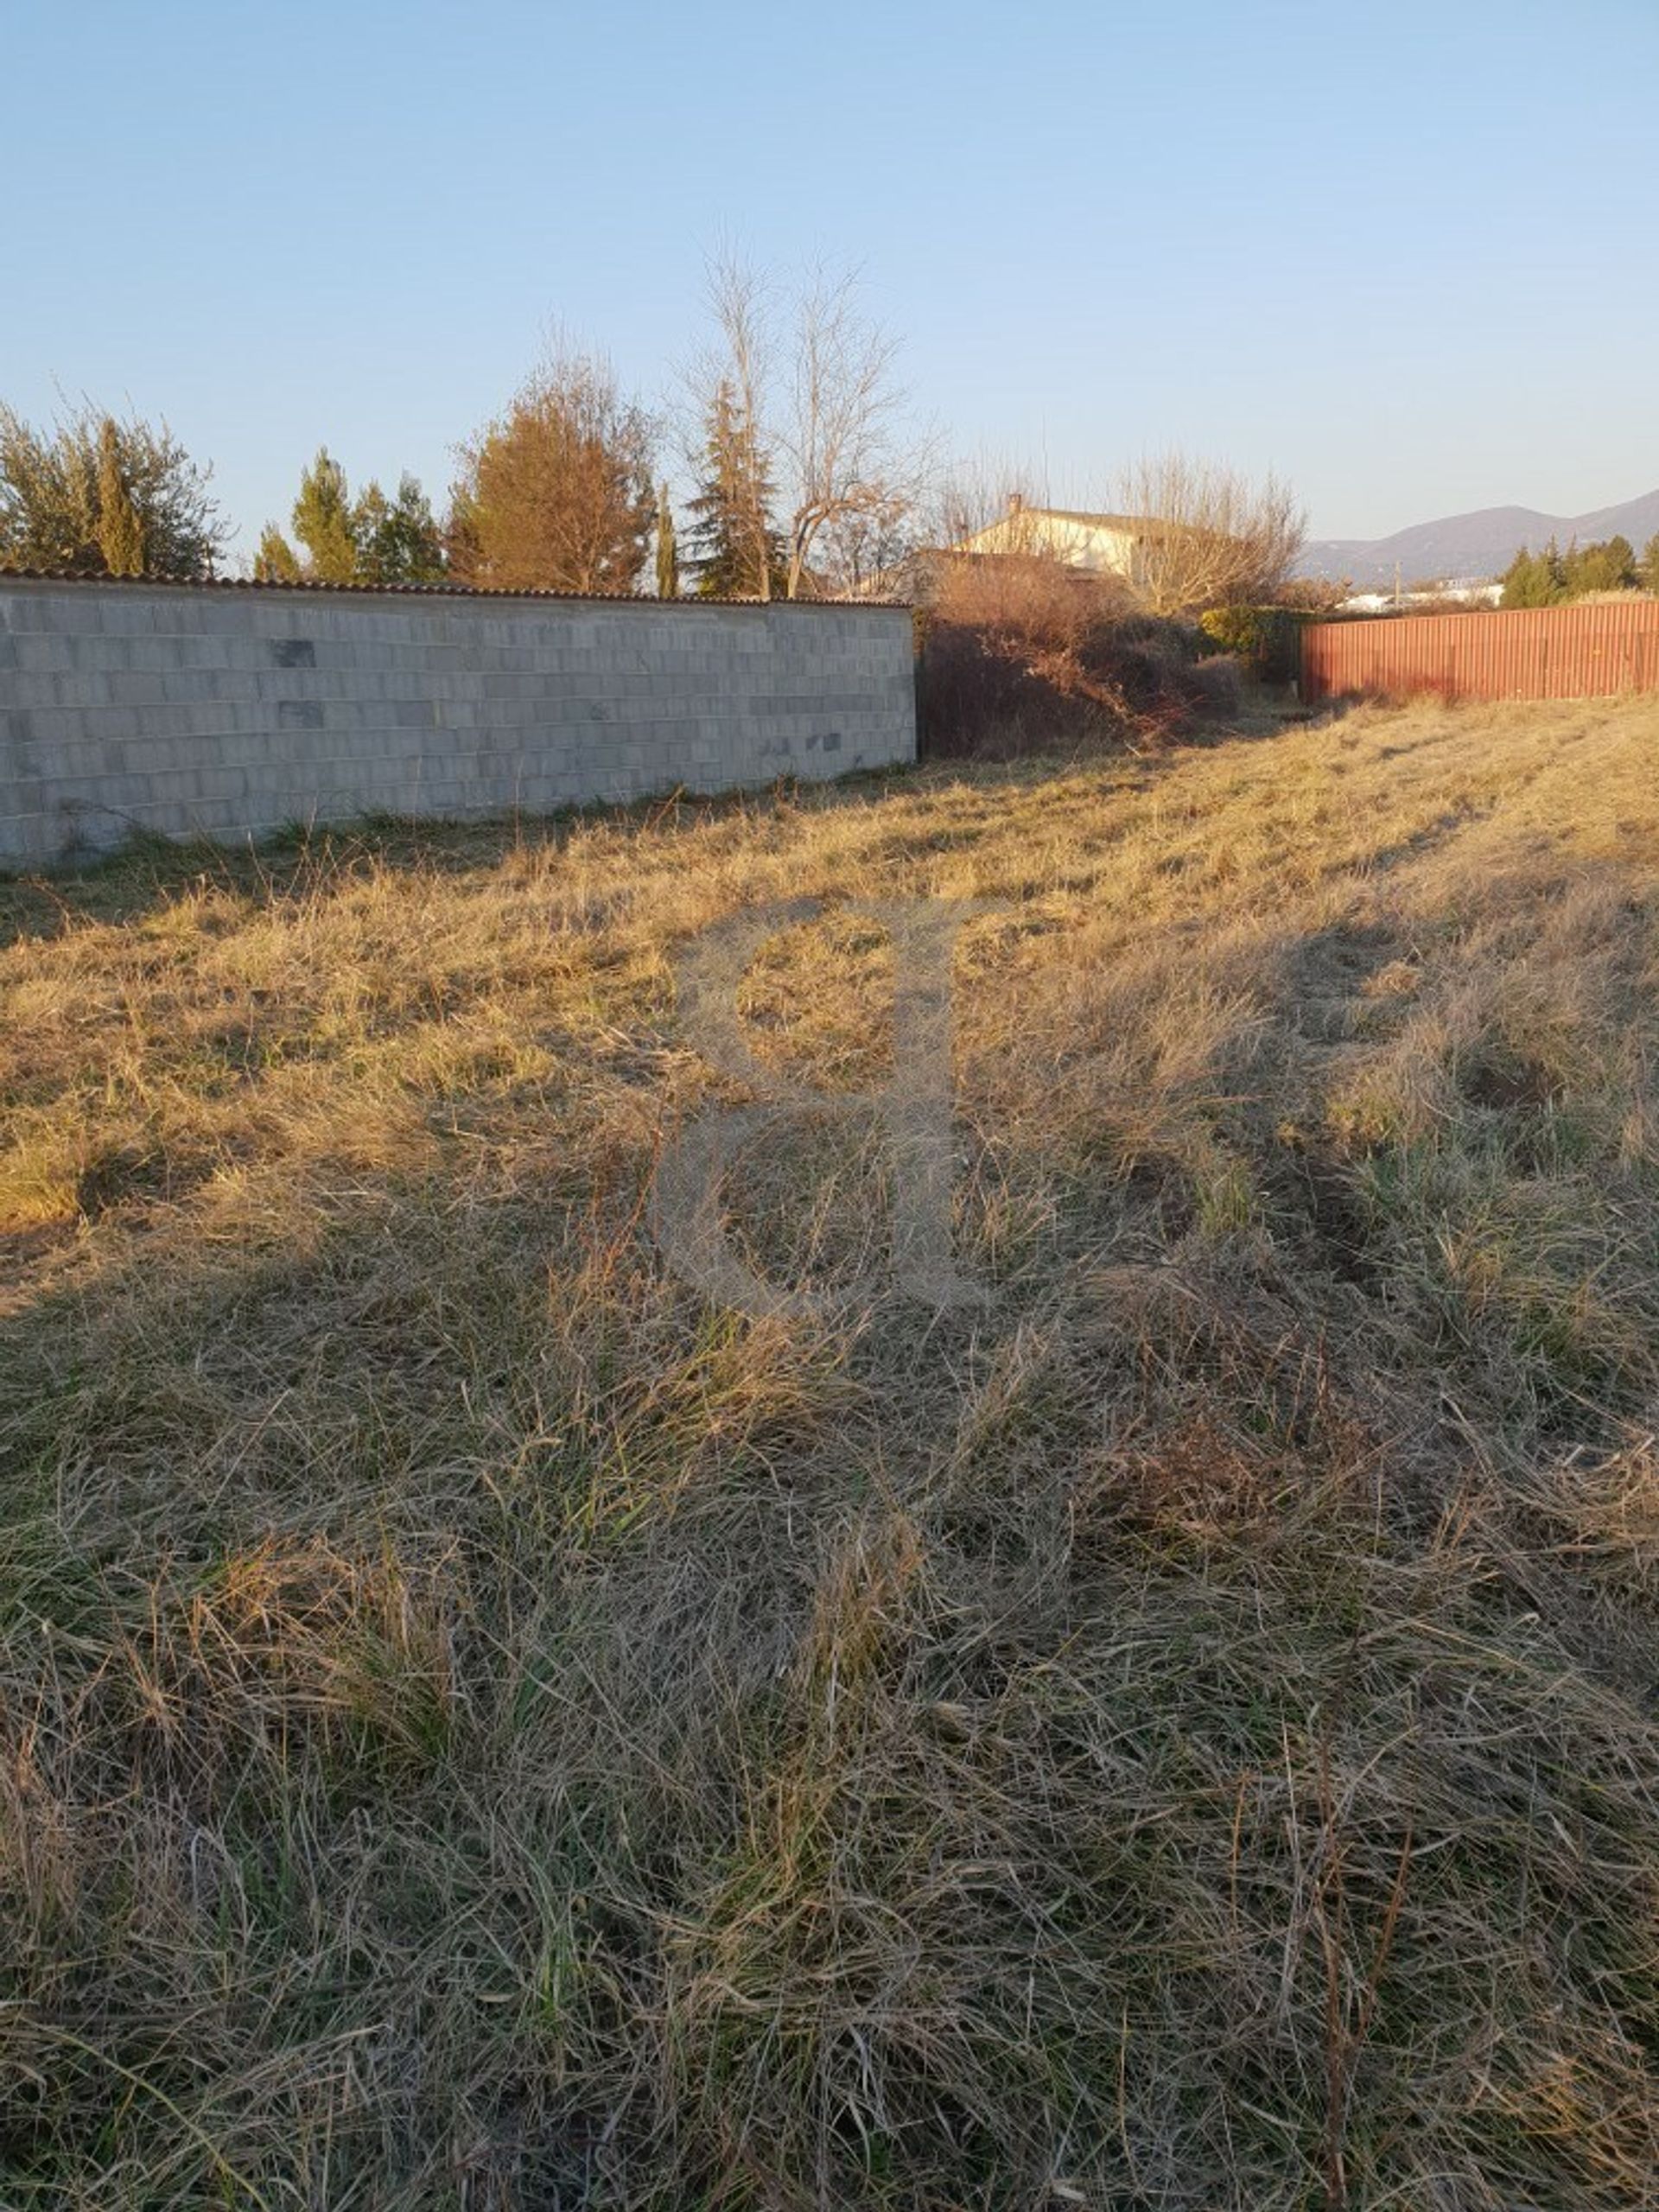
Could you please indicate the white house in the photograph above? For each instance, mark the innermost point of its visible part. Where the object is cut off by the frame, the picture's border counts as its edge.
(1106, 544)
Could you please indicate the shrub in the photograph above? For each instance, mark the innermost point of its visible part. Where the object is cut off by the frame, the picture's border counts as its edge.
(1266, 640)
(1216, 685)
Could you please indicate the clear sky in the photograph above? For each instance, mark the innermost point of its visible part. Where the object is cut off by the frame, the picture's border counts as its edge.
(1406, 254)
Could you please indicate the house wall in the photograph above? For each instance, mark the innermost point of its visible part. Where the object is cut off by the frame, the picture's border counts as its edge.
(1062, 537)
(229, 712)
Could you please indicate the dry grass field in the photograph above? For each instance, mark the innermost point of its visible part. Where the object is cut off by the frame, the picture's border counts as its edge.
(481, 1728)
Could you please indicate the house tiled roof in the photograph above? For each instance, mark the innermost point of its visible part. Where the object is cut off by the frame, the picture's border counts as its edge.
(1067, 514)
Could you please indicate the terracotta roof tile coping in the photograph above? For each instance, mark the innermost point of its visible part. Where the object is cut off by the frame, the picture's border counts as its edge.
(412, 591)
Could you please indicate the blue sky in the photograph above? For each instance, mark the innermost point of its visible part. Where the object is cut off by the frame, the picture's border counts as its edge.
(1404, 254)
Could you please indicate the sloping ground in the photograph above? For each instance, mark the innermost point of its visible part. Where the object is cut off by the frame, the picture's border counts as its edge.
(482, 1728)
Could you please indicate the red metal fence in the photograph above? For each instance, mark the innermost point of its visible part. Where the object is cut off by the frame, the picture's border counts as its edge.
(1532, 652)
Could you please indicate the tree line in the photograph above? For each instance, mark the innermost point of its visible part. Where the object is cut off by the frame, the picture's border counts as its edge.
(791, 423)
(1553, 577)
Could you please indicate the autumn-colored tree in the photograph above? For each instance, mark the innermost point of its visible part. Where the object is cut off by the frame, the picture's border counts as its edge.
(557, 492)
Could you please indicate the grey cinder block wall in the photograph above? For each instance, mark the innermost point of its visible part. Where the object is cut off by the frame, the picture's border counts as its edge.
(233, 711)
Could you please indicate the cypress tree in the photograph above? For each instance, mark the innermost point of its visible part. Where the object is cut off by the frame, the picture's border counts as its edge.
(1650, 565)
(120, 533)
(668, 552)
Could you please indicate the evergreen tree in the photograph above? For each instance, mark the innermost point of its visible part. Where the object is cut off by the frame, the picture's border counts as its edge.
(1519, 581)
(120, 532)
(276, 563)
(323, 523)
(1650, 566)
(1619, 557)
(1535, 579)
(1609, 566)
(397, 540)
(668, 552)
(739, 552)
(95, 494)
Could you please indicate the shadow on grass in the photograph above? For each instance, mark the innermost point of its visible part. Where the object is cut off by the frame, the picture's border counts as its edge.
(462, 1691)
(148, 872)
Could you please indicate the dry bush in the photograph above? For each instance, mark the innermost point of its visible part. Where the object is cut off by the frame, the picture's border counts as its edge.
(1031, 602)
(1021, 653)
(1314, 594)
(1218, 684)
(481, 1728)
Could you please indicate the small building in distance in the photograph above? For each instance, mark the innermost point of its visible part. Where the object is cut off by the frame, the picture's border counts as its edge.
(1458, 591)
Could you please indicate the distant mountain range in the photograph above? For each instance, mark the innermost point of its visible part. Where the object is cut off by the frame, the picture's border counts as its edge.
(1479, 544)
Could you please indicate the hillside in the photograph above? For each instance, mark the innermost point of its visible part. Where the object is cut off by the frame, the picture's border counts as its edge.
(1478, 544)
(485, 1728)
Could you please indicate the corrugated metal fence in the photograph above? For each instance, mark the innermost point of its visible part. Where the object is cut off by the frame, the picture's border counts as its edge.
(1534, 652)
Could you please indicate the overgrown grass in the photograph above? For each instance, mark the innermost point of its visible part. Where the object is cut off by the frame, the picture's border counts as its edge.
(483, 1729)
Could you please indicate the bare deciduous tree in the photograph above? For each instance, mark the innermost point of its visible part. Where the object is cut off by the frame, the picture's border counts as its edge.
(852, 470)
(1206, 534)
(863, 544)
(739, 300)
(825, 420)
(975, 492)
(736, 541)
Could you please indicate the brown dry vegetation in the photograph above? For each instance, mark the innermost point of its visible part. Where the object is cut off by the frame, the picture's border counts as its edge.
(480, 1729)
(1019, 654)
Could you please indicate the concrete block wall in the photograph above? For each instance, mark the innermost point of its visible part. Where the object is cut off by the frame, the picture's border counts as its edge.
(232, 711)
